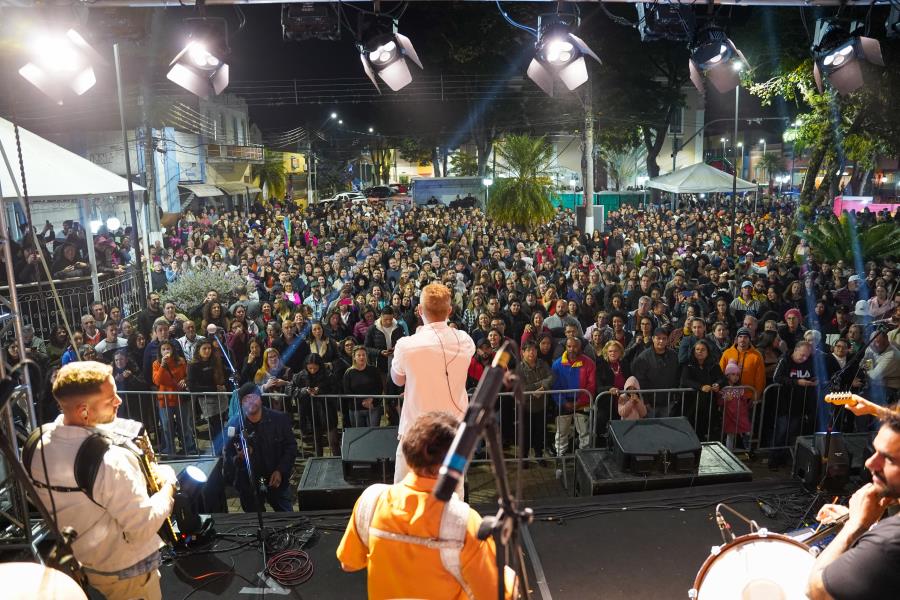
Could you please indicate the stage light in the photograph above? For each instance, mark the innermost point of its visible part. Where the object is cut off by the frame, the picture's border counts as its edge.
(385, 55)
(559, 54)
(60, 64)
(715, 57)
(840, 57)
(190, 484)
(371, 130)
(199, 70)
(95, 225)
(334, 115)
(113, 224)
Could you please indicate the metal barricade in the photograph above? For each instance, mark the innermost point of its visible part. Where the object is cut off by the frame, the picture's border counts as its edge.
(320, 418)
(785, 412)
(705, 410)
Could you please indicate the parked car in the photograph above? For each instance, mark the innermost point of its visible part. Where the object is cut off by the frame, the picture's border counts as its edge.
(400, 188)
(379, 191)
(344, 197)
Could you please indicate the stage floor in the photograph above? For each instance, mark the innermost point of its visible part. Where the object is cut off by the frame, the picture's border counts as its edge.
(642, 545)
(639, 545)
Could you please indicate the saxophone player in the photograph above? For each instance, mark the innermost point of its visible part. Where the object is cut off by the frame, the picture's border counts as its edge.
(104, 497)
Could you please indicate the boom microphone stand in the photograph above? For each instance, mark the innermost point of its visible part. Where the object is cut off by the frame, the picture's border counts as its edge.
(260, 485)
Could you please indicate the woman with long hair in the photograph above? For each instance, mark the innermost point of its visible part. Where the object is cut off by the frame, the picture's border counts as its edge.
(214, 314)
(362, 381)
(206, 377)
(170, 375)
(272, 377)
(318, 413)
(252, 362)
(335, 327)
(474, 307)
(703, 374)
(321, 344)
(643, 339)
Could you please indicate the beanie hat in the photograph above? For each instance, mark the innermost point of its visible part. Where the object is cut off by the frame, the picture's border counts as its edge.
(732, 368)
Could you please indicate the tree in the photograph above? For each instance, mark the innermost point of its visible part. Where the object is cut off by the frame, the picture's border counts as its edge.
(415, 150)
(464, 164)
(382, 158)
(271, 174)
(836, 239)
(771, 164)
(624, 165)
(522, 198)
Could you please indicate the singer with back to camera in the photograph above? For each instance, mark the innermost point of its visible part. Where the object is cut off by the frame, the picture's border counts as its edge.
(432, 364)
(272, 447)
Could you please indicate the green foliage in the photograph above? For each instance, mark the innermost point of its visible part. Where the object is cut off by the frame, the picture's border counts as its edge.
(271, 174)
(624, 165)
(415, 150)
(771, 164)
(522, 199)
(190, 289)
(464, 164)
(835, 240)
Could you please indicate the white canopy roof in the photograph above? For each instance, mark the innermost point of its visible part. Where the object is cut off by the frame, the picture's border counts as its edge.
(698, 179)
(52, 172)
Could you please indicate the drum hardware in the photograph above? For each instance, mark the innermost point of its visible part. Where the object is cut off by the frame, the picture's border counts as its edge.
(758, 565)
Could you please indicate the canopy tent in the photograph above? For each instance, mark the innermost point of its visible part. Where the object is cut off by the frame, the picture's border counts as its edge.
(698, 179)
(52, 172)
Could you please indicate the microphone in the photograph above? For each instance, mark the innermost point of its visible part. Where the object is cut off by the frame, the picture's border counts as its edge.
(460, 453)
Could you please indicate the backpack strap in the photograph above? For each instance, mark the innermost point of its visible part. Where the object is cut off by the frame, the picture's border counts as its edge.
(454, 524)
(365, 510)
(87, 463)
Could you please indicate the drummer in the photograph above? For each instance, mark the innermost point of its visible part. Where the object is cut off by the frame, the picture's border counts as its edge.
(863, 561)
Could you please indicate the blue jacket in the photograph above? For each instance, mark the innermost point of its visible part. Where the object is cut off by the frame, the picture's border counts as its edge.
(578, 375)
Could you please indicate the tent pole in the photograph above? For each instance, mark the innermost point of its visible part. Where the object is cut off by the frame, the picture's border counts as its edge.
(89, 238)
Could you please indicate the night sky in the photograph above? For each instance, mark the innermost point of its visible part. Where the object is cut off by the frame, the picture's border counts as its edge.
(263, 66)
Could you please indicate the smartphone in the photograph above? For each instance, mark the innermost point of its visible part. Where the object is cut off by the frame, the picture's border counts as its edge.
(688, 293)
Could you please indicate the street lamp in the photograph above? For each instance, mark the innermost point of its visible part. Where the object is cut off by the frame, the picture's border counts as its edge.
(763, 142)
(487, 182)
(723, 140)
(741, 146)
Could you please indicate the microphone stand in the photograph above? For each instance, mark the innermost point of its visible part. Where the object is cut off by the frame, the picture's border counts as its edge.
(505, 527)
(260, 486)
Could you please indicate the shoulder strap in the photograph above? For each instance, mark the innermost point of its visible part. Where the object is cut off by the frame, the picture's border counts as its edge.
(454, 522)
(365, 510)
(87, 463)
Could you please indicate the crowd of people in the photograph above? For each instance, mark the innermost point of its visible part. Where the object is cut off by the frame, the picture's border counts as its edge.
(663, 299)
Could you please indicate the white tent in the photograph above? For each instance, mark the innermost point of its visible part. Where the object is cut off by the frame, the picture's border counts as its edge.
(698, 179)
(52, 172)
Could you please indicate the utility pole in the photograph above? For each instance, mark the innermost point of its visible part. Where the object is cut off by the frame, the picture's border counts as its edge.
(149, 162)
(309, 161)
(589, 168)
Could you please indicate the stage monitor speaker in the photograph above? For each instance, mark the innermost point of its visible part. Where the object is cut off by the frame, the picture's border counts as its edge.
(809, 462)
(322, 486)
(369, 454)
(655, 445)
(212, 497)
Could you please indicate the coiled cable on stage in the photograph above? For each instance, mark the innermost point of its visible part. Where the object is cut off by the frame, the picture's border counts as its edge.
(291, 567)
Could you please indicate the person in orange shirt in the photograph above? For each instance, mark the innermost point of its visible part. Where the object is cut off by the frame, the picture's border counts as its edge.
(749, 359)
(170, 375)
(414, 545)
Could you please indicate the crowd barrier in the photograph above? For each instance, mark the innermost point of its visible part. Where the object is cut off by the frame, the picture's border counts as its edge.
(784, 413)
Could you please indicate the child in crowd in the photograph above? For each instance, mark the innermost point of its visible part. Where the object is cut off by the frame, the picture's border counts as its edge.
(737, 408)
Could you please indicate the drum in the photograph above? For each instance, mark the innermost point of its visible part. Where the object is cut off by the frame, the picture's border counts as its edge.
(758, 566)
(30, 581)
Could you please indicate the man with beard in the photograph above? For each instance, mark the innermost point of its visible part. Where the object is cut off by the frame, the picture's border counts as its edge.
(863, 560)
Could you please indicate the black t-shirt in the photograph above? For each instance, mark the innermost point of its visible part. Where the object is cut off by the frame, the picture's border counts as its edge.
(870, 569)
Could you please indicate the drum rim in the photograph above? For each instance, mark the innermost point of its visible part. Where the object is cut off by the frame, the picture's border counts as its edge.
(701, 574)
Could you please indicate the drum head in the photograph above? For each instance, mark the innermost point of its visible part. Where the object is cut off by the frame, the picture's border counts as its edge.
(29, 581)
(756, 567)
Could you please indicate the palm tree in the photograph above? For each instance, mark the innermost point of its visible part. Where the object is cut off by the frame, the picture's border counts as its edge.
(834, 240)
(522, 199)
(624, 166)
(771, 164)
(271, 174)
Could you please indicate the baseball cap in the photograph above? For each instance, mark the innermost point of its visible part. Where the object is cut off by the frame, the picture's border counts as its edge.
(853, 278)
(747, 284)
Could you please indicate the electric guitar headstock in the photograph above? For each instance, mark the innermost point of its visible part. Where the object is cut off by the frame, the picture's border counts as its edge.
(857, 404)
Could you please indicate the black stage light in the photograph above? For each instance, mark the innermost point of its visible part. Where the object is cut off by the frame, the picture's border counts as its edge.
(716, 58)
(191, 524)
(385, 55)
(559, 54)
(841, 57)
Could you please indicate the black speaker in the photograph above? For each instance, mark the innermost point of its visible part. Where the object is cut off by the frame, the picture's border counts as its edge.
(655, 445)
(369, 454)
(322, 486)
(809, 462)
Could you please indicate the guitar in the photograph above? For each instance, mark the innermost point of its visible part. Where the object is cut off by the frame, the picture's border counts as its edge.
(857, 404)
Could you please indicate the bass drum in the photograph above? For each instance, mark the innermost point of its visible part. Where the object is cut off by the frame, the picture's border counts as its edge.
(758, 566)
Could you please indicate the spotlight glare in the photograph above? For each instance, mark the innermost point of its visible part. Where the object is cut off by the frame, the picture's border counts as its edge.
(113, 224)
(387, 56)
(60, 64)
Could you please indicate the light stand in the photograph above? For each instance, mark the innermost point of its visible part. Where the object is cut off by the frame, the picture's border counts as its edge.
(260, 487)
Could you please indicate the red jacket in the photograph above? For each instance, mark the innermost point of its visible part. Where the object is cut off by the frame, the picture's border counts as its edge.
(166, 380)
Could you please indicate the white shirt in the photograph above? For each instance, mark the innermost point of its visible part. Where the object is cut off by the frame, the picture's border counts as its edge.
(110, 539)
(433, 364)
(188, 346)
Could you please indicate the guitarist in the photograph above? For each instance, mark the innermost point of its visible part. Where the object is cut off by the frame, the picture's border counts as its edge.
(863, 561)
(101, 494)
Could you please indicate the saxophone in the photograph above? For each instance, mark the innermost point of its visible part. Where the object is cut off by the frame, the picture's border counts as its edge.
(147, 458)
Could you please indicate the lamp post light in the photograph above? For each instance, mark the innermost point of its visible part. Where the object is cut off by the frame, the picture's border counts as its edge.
(723, 140)
(487, 182)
